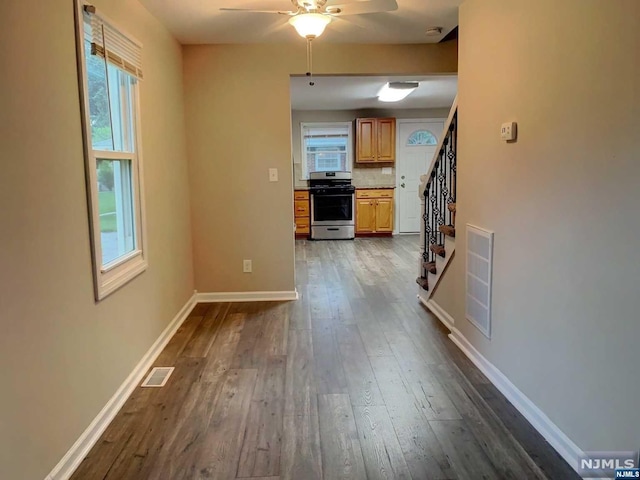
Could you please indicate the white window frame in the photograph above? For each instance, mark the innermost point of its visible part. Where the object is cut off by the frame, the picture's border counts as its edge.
(111, 276)
(303, 150)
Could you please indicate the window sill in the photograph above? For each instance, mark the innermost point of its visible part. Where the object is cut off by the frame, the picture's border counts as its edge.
(115, 278)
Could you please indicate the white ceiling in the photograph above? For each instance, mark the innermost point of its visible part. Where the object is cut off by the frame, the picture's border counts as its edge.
(202, 22)
(354, 93)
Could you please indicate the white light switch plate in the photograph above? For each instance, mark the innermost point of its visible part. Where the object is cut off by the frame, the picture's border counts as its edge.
(273, 174)
(246, 266)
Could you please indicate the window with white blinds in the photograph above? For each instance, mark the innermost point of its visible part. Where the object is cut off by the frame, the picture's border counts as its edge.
(326, 147)
(110, 69)
(110, 43)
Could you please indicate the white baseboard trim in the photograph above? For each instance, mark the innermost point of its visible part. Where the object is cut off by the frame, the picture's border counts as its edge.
(439, 312)
(543, 424)
(70, 462)
(247, 296)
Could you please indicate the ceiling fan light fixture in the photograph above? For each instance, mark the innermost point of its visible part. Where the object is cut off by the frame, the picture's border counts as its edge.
(396, 91)
(310, 25)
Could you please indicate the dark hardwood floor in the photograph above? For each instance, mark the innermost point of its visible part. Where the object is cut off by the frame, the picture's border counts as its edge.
(356, 380)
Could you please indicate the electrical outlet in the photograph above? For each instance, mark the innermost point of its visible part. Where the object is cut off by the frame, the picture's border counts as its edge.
(508, 131)
(246, 266)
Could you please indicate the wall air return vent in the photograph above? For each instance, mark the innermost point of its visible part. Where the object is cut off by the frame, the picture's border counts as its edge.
(478, 278)
(157, 377)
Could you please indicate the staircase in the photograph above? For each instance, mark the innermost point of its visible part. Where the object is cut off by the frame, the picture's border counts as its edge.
(438, 198)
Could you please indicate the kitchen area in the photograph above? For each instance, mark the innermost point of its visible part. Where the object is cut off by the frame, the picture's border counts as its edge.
(357, 197)
(356, 169)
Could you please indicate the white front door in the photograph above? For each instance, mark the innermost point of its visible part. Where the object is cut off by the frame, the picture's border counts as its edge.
(417, 143)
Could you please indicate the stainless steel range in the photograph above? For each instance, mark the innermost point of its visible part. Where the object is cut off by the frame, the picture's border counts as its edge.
(332, 206)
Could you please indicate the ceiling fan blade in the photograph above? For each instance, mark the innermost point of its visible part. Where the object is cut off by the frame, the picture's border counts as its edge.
(251, 10)
(359, 7)
(346, 21)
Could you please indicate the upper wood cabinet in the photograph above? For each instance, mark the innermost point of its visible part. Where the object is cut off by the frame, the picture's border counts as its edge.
(366, 140)
(375, 140)
(386, 139)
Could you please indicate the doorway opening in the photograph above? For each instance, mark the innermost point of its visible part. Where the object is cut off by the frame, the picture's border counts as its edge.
(339, 127)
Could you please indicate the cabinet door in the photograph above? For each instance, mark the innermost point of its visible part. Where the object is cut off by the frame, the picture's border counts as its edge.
(386, 133)
(384, 215)
(365, 216)
(366, 140)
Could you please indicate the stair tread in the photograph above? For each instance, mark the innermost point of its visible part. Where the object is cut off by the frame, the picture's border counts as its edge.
(423, 282)
(448, 230)
(430, 267)
(438, 250)
(452, 207)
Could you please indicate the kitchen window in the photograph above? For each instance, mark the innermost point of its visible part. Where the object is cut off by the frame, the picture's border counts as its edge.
(326, 147)
(110, 70)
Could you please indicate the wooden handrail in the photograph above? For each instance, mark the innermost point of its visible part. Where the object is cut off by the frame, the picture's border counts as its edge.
(425, 178)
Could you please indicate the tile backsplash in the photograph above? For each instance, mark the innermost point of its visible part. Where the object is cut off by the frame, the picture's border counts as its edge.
(367, 176)
(373, 177)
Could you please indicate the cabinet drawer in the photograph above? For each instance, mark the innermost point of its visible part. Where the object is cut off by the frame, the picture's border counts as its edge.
(301, 208)
(365, 193)
(302, 225)
(377, 193)
(301, 195)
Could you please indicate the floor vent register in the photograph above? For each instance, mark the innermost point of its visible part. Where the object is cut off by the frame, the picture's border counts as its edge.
(157, 377)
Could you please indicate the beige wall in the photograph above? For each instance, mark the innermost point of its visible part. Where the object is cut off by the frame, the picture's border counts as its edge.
(363, 174)
(62, 355)
(238, 126)
(446, 292)
(563, 202)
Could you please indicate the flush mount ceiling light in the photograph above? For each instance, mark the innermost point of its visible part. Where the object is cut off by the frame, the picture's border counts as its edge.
(310, 25)
(396, 91)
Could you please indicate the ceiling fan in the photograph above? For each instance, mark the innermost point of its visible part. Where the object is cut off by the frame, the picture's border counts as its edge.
(310, 17)
(330, 7)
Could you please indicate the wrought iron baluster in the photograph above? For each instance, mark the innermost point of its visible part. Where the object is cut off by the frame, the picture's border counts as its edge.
(449, 180)
(443, 180)
(427, 232)
(427, 212)
(433, 199)
(454, 158)
(441, 195)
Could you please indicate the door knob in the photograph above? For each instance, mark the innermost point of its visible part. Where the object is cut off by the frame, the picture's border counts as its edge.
(402, 177)
(402, 184)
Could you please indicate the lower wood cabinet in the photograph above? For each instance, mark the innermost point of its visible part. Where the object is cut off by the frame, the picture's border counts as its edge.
(301, 212)
(374, 211)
